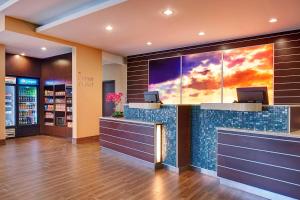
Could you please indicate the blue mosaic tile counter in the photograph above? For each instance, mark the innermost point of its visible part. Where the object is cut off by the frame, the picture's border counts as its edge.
(205, 122)
(167, 115)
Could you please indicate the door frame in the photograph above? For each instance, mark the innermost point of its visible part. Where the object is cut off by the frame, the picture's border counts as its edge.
(103, 95)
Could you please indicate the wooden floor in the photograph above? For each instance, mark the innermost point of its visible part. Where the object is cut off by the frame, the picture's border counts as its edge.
(42, 168)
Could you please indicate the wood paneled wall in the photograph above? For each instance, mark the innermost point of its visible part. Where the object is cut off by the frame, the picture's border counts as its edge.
(59, 69)
(264, 161)
(134, 139)
(286, 64)
(16, 65)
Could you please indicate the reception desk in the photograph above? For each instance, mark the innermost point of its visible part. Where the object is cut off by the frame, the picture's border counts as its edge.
(190, 132)
(138, 139)
(264, 161)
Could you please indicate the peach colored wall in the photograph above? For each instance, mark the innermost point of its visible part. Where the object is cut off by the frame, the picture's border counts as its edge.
(86, 79)
(2, 92)
(87, 95)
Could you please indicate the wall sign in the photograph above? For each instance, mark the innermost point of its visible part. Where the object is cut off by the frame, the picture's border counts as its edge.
(28, 81)
(10, 80)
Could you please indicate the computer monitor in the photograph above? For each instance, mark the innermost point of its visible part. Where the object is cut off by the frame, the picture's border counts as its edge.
(253, 95)
(151, 97)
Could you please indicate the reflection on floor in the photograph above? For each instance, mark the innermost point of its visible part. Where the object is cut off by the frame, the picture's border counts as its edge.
(45, 168)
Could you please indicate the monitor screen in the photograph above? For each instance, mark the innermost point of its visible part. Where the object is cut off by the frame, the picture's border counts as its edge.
(253, 95)
(151, 97)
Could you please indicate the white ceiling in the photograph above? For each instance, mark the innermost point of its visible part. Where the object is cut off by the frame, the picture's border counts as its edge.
(17, 43)
(137, 21)
(45, 11)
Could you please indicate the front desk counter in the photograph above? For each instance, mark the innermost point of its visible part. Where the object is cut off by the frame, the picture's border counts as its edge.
(189, 132)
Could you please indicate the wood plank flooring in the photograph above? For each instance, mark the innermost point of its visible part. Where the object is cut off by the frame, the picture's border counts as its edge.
(47, 168)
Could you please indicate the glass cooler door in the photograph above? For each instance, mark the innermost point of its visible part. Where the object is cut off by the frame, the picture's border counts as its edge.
(27, 105)
(10, 106)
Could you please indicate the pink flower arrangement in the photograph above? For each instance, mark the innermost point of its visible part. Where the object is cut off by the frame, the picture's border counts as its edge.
(114, 97)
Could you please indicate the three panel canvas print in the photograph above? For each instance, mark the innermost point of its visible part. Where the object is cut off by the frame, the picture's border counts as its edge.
(212, 76)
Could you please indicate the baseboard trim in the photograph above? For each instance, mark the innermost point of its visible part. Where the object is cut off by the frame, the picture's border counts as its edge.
(205, 171)
(83, 140)
(2, 142)
(177, 170)
(254, 190)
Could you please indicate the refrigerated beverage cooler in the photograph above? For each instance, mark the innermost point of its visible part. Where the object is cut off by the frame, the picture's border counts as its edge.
(10, 106)
(22, 106)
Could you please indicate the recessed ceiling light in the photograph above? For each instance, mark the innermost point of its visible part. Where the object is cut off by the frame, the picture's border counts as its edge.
(22, 54)
(149, 43)
(43, 48)
(273, 20)
(201, 33)
(109, 28)
(168, 12)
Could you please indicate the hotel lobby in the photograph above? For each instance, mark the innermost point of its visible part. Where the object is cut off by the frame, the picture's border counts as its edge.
(160, 99)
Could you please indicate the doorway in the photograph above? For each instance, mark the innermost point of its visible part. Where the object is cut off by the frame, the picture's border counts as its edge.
(107, 107)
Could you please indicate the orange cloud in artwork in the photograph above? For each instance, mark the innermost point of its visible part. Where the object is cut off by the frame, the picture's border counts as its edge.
(255, 70)
(247, 78)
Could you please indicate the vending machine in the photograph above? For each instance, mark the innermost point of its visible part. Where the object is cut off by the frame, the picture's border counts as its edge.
(28, 106)
(10, 106)
(21, 106)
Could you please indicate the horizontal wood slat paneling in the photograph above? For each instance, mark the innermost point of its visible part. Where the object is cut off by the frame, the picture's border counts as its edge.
(286, 161)
(122, 149)
(140, 87)
(128, 143)
(287, 175)
(137, 91)
(290, 65)
(289, 57)
(266, 144)
(236, 132)
(261, 182)
(131, 136)
(137, 81)
(260, 160)
(286, 51)
(287, 72)
(131, 127)
(287, 79)
(287, 93)
(286, 56)
(287, 44)
(287, 86)
(287, 100)
(134, 139)
(137, 72)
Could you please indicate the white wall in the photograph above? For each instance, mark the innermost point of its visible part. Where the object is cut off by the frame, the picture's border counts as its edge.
(118, 73)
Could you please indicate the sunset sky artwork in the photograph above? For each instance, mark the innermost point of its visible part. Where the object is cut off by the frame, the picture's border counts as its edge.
(200, 80)
(247, 67)
(164, 77)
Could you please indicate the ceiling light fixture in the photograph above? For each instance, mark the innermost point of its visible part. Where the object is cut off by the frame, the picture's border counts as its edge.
(201, 33)
(149, 43)
(109, 28)
(22, 54)
(273, 20)
(168, 12)
(43, 48)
